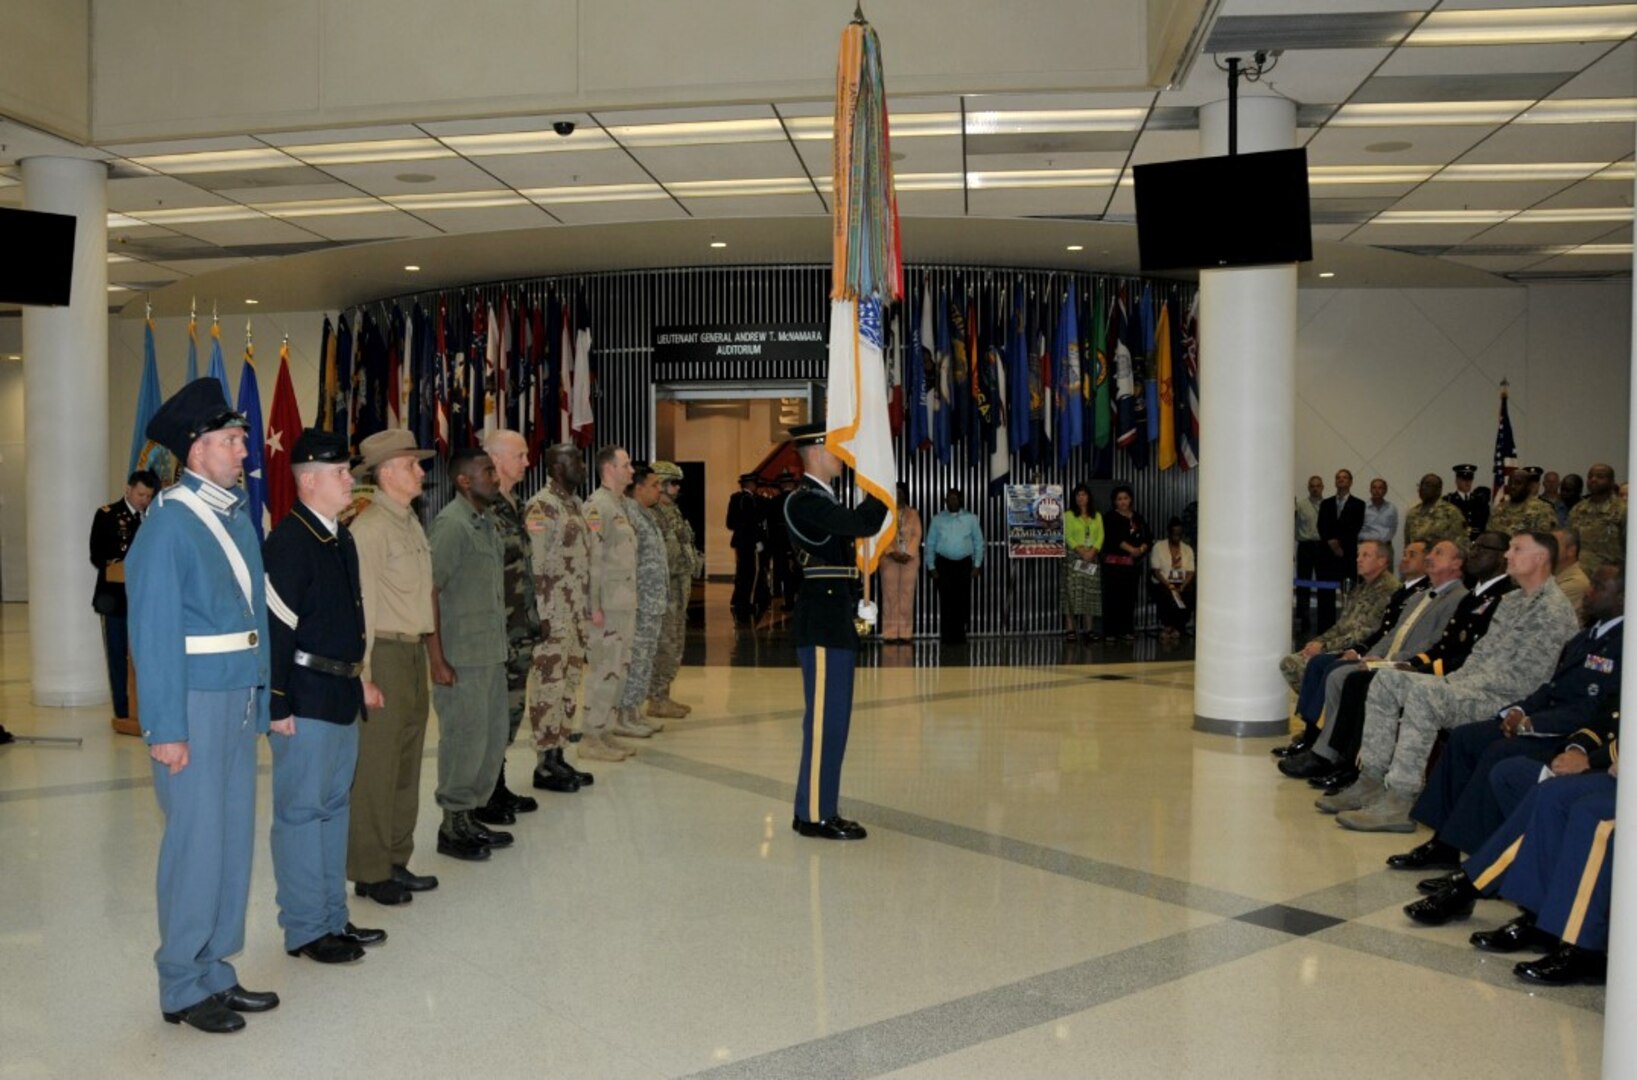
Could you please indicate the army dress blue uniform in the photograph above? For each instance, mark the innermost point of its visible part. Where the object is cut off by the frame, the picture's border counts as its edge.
(823, 533)
(317, 621)
(113, 531)
(198, 623)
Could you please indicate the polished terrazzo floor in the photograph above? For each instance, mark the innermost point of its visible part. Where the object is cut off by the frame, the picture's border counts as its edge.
(1062, 879)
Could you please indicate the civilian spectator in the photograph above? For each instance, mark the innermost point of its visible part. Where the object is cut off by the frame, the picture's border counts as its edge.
(1380, 516)
(1171, 566)
(955, 542)
(1341, 516)
(1125, 549)
(899, 571)
(1309, 548)
(1082, 574)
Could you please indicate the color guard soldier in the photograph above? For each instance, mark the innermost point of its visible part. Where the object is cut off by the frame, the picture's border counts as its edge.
(823, 534)
(1473, 503)
(112, 531)
(745, 523)
(317, 652)
(198, 622)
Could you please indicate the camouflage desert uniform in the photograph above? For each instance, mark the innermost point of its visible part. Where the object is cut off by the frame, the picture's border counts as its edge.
(560, 559)
(1531, 515)
(1602, 531)
(1442, 522)
(1362, 610)
(614, 592)
(682, 556)
(522, 613)
(653, 579)
(1516, 655)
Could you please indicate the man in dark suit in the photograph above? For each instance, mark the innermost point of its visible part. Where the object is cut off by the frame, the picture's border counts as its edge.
(746, 525)
(824, 534)
(1341, 516)
(1473, 503)
(112, 531)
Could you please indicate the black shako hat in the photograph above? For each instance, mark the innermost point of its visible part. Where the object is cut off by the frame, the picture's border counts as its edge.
(321, 446)
(197, 408)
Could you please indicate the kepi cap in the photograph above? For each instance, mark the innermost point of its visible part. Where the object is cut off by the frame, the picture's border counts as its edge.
(314, 445)
(196, 409)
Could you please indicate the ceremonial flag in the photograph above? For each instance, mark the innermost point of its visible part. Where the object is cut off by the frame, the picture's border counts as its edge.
(491, 368)
(1145, 362)
(340, 403)
(582, 420)
(916, 387)
(441, 388)
(148, 399)
(1017, 373)
(1187, 388)
(935, 336)
(1125, 386)
(565, 360)
(952, 338)
(895, 375)
(977, 422)
(1102, 410)
(283, 429)
(193, 348)
(218, 367)
(255, 459)
(1070, 379)
(540, 414)
(994, 386)
(396, 368)
(1162, 377)
(867, 274)
(328, 383)
(1506, 447)
(1048, 400)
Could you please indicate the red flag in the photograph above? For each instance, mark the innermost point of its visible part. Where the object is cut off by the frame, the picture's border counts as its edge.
(283, 429)
(443, 385)
(538, 421)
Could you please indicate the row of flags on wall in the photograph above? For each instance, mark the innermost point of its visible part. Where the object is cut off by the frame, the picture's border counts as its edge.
(1022, 378)
(458, 368)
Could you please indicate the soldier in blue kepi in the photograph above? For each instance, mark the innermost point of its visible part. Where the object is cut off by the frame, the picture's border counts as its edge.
(198, 625)
(823, 536)
(317, 657)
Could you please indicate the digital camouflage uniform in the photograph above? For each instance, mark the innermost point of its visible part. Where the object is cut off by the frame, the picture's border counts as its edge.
(1516, 655)
(682, 557)
(522, 614)
(1362, 610)
(560, 560)
(653, 581)
(1602, 531)
(1531, 515)
(1442, 522)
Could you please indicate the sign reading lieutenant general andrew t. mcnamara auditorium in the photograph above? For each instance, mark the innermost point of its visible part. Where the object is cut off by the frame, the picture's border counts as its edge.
(747, 341)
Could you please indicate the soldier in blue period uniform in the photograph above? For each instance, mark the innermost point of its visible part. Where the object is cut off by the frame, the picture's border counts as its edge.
(823, 534)
(198, 623)
(317, 622)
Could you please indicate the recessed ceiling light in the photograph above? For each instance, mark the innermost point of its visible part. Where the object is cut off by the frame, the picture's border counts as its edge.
(412, 268)
(250, 301)
(414, 178)
(719, 243)
(1604, 22)
(1389, 146)
(1076, 247)
(1327, 273)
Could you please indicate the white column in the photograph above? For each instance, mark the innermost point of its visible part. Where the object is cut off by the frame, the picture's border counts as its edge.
(65, 415)
(1247, 350)
(1619, 1035)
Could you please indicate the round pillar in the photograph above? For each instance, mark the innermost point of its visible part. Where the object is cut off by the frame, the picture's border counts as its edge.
(65, 416)
(1247, 348)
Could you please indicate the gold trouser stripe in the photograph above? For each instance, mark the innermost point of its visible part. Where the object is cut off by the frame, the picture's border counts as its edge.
(815, 766)
(1498, 867)
(1588, 881)
(1320, 722)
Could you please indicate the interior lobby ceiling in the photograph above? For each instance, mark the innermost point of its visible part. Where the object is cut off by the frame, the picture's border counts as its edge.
(1468, 142)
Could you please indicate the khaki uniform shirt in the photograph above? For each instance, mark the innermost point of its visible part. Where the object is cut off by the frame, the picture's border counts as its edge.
(395, 572)
(1602, 531)
(613, 552)
(1575, 584)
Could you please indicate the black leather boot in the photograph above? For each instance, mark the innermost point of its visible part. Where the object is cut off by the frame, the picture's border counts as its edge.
(552, 775)
(456, 840)
(564, 768)
(518, 804)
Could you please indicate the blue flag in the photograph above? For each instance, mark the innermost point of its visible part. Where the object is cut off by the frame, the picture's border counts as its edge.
(193, 349)
(915, 382)
(147, 400)
(255, 459)
(1151, 383)
(1017, 373)
(218, 369)
(1070, 374)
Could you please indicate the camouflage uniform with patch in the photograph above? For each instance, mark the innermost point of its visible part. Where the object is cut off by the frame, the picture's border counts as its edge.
(1362, 609)
(1602, 528)
(560, 563)
(608, 647)
(1530, 515)
(1442, 522)
(522, 612)
(682, 556)
(653, 599)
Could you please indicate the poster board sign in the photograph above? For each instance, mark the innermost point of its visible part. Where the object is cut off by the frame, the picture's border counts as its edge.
(1034, 521)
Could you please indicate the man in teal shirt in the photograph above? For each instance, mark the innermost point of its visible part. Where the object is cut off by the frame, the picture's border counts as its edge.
(955, 542)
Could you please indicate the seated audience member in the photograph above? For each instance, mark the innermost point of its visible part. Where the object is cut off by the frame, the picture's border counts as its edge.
(1553, 857)
(1380, 516)
(1412, 572)
(1405, 634)
(1171, 580)
(1405, 710)
(1577, 707)
(1571, 576)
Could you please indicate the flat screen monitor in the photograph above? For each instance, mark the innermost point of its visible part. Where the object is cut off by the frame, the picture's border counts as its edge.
(1206, 213)
(36, 257)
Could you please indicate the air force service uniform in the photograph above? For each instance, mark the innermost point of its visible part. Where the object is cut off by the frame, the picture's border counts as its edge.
(198, 623)
(317, 652)
(823, 533)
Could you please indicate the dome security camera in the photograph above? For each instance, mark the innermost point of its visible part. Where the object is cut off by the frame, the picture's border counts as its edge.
(565, 128)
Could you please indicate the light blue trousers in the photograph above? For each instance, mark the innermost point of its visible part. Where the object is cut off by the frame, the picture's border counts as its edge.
(312, 790)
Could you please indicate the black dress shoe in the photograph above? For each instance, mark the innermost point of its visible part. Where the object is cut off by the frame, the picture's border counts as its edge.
(1294, 747)
(208, 1015)
(360, 935)
(831, 828)
(461, 847)
(1569, 964)
(241, 1000)
(489, 837)
(1515, 936)
(1306, 765)
(1433, 855)
(550, 781)
(494, 813)
(330, 949)
(1338, 781)
(1428, 886)
(411, 881)
(389, 892)
(1446, 905)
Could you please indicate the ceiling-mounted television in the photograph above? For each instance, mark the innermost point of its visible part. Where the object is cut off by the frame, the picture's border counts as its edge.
(36, 257)
(1240, 210)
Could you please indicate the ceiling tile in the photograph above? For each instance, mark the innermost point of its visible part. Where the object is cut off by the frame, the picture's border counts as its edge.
(487, 219)
(721, 162)
(496, 124)
(1399, 235)
(134, 270)
(1038, 102)
(383, 177)
(193, 268)
(931, 203)
(1065, 145)
(184, 146)
(258, 231)
(1036, 202)
(1481, 196)
(1316, 75)
(1554, 142)
(1305, 30)
(1496, 86)
(1495, 264)
(1615, 75)
(1591, 193)
(157, 192)
(1165, 146)
(755, 206)
(1491, 59)
(257, 179)
(604, 212)
(1584, 264)
(391, 225)
(1332, 232)
(685, 116)
(563, 170)
(1555, 232)
(1428, 145)
(343, 135)
(1015, 162)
